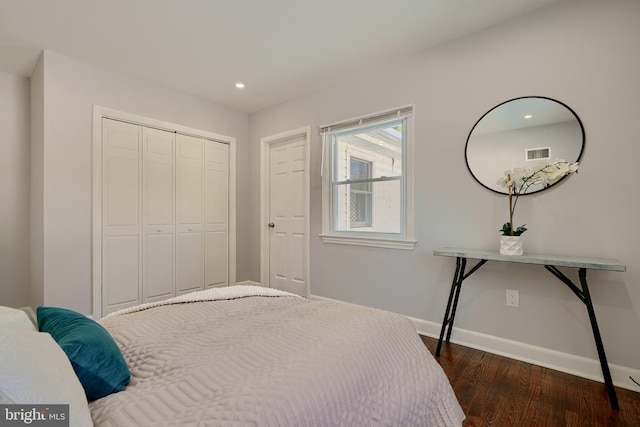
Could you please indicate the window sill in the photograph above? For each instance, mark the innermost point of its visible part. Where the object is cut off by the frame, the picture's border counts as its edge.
(403, 244)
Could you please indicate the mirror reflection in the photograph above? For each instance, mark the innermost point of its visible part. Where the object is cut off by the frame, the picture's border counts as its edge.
(522, 132)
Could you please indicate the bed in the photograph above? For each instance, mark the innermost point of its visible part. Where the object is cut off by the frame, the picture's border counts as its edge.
(254, 356)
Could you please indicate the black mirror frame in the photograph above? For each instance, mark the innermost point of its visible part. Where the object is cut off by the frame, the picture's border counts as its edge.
(515, 99)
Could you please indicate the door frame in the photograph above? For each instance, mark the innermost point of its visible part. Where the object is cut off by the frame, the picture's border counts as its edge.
(99, 113)
(265, 185)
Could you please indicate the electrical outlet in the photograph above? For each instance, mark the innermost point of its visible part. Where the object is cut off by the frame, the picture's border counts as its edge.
(513, 299)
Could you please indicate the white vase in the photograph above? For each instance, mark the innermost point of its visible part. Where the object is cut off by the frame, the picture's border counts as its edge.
(511, 245)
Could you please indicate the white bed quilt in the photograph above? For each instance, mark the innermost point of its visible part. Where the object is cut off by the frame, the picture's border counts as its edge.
(273, 360)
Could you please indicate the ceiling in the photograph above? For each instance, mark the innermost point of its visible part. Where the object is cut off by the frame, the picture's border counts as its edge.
(280, 49)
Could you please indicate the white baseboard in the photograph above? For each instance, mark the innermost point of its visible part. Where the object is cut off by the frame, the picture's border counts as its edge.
(552, 359)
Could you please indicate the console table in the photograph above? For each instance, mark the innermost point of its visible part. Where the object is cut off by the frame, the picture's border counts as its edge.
(551, 263)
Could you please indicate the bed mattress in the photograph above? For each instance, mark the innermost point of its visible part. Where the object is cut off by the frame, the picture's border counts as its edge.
(253, 357)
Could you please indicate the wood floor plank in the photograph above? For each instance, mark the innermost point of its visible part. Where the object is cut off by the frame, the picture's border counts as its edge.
(497, 391)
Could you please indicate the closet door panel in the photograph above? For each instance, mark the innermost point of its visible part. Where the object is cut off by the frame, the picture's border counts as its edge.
(120, 215)
(158, 267)
(158, 194)
(217, 259)
(121, 271)
(189, 213)
(190, 194)
(189, 268)
(216, 213)
(217, 183)
(121, 191)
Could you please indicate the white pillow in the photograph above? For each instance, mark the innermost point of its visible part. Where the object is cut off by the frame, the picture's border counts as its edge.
(14, 318)
(35, 370)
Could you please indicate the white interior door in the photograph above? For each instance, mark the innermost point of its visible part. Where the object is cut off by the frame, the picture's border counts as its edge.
(288, 227)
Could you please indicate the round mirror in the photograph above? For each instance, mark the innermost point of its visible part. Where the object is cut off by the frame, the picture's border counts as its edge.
(522, 133)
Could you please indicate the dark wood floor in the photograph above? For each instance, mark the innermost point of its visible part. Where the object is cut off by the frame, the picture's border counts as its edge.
(498, 391)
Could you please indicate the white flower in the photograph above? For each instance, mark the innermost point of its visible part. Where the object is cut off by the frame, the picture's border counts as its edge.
(518, 181)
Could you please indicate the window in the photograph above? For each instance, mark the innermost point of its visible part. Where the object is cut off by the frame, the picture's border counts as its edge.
(366, 184)
(360, 208)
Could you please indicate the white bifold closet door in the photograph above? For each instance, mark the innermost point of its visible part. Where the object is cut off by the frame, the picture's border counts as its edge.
(158, 201)
(121, 192)
(189, 214)
(165, 204)
(216, 208)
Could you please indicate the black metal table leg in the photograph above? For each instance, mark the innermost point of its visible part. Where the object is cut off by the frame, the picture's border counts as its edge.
(596, 335)
(454, 286)
(454, 295)
(584, 296)
(459, 279)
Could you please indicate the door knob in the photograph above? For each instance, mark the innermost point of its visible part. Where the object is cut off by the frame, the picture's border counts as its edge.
(271, 225)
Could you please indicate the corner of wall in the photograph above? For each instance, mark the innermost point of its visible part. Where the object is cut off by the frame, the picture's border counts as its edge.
(36, 265)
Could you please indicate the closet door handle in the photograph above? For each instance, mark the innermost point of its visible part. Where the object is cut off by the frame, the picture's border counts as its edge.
(271, 225)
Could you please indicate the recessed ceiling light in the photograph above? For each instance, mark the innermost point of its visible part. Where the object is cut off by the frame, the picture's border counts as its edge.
(528, 116)
(240, 85)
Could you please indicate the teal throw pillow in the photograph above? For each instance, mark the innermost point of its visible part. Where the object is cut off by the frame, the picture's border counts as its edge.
(93, 353)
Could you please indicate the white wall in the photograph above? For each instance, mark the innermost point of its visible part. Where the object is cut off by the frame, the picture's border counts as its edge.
(14, 190)
(583, 53)
(71, 88)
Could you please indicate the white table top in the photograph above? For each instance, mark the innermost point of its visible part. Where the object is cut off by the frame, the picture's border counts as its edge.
(543, 259)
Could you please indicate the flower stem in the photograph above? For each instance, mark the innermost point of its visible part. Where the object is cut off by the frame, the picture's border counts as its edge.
(518, 184)
(510, 208)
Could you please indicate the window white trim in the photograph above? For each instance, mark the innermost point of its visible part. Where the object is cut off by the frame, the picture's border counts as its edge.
(404, 240)
(373, 118)
(379, 242)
